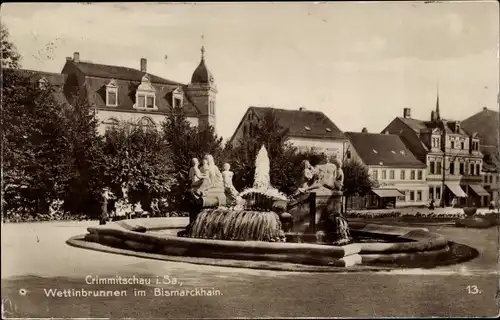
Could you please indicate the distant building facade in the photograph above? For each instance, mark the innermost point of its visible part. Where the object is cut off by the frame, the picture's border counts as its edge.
(485, 123)
(452, 156)
(400, 175)
(308, 130)
(119, 94)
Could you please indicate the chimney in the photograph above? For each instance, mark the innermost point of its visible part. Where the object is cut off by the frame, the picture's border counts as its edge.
(76, 57)
(364, 130)
(485, 108)
(69, 59)
(144, 65)
(407, 113)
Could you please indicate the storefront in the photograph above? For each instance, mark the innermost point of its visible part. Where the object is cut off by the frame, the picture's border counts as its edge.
(479, 196)
(452, 191)
(381, 198)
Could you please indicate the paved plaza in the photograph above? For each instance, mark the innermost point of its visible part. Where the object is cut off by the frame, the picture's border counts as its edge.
(39, 260)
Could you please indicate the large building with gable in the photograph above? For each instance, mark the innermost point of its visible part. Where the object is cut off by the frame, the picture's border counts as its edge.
(119, 93)
(307, 130)
(452, 156)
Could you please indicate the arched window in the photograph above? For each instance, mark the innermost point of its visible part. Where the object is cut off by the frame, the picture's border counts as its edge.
(147, 123)
(111, 123)
(112, 94)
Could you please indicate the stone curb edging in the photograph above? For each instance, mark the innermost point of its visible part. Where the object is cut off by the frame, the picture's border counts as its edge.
(425, 246)
(79, 242)
(310, 253)
(421, 239)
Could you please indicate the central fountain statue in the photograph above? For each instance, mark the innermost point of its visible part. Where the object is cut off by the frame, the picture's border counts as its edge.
(260, 213)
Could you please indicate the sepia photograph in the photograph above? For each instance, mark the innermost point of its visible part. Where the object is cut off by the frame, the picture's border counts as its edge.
(218, 160)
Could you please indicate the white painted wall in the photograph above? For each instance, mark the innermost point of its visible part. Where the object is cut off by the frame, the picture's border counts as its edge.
(406, 186)
(329, 147)
(105, 115)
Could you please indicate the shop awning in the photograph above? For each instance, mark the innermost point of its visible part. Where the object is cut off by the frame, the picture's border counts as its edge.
(479, 190)
(456, 189)
(387, 193)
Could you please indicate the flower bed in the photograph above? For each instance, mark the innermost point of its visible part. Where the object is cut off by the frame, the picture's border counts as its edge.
(407, 215)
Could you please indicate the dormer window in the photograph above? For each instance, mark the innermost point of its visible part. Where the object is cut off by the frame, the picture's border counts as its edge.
(42, 84)
(112, 94)
(177, 96)
(145, 97)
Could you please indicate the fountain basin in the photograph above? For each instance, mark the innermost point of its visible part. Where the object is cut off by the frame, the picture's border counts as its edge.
(413, 247)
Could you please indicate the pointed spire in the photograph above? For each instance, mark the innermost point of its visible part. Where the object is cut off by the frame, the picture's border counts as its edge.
(202, 47)
(438, 117)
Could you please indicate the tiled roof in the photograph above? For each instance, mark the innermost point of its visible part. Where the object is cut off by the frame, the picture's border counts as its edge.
(118, 72)
(303, 123)
(127, 80)
(418, 125)
(57, 80)
(96, 91)
(485, 123)
(383, 150)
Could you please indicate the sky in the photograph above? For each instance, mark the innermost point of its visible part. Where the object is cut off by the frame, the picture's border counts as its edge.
(359, 63)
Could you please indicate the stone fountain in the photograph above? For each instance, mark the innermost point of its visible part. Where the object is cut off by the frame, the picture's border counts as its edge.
(262, 224)
(261, 212)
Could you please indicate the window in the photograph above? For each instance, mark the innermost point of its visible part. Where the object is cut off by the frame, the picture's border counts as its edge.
(462, 145)
(420, 175)
(177, 102)
(412, 175)
(471, 169)
(432, 167)
(438, 192)
(402, 174)
(435, 142)
(384, 175)
(478, 169)
(111, 123)
(431, 192)
(145, 97)
(147, 123)
(462, 168)
(244, 131)
(438, 167)
(375, 174)
(391, 175)
(150, 102)
(412, 195)
(348, 154)
(141, 101)
(212, 107)
(453, 145)
(419, 195)
(402, 198)
(491, 178)
(452, 168)
(112, 94)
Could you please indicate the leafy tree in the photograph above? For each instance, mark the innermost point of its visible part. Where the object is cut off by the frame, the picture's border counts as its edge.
(9, 55)
(34, 143)
(357, 180)
(138, 159)
(185, 143)
(84, 158)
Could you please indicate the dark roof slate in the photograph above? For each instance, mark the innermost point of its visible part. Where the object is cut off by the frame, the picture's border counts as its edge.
(383, 150)
(303, 123)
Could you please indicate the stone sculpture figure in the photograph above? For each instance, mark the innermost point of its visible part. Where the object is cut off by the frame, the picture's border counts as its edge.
(214, 172)
(229, 189)
(321, 177)
(195, 175)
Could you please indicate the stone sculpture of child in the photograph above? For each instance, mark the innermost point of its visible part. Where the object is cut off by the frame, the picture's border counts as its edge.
(229, 189)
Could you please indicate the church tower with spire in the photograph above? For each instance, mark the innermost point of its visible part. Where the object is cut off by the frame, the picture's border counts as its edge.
(202, 92)
(435, 114)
